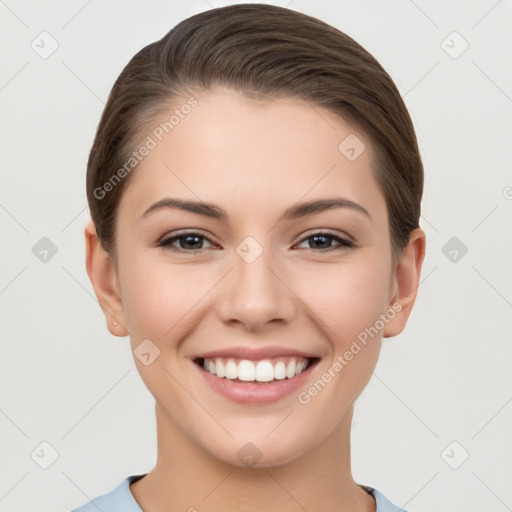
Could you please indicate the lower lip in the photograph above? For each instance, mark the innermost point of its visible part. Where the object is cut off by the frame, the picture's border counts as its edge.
(256, 392)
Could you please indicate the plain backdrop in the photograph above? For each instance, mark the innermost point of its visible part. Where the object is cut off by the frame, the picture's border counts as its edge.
(432, 428)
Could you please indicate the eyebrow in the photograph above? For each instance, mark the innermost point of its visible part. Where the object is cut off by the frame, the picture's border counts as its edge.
(294, 212)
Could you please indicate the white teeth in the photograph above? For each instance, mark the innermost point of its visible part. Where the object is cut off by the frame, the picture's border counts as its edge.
(261, 371)
(246, 370)
(219, 369)
(231, 370)
(280, 371)
(290, 369)
(300, 367)
(264, 371)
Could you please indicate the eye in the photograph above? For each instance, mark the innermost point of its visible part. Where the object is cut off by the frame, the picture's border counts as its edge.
(189, 242)
(322, 238)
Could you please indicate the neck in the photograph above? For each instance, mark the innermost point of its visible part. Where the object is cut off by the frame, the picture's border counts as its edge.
(188, 478)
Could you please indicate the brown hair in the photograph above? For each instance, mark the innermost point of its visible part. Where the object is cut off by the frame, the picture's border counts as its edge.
(262, 51)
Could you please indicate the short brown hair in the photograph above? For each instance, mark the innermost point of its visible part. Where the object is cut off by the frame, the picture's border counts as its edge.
(262, 51)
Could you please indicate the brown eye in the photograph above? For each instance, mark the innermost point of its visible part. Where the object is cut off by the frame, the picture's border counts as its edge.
(187, 242)
(319, 241)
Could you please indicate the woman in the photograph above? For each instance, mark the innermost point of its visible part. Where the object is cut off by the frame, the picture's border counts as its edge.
(255, 187)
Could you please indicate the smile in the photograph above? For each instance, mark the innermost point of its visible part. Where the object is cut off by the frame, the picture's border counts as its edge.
(264, 370)
(255, 377)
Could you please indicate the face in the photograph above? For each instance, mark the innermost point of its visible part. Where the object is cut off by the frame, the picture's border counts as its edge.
(265, 288)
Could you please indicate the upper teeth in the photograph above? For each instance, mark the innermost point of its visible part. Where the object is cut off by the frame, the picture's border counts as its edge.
(261, 371)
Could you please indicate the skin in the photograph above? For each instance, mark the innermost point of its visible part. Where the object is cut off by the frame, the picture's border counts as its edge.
(254, 159)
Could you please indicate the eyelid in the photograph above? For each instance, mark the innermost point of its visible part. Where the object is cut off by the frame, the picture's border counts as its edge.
(327, 232)
(343, 241)
(184, 233)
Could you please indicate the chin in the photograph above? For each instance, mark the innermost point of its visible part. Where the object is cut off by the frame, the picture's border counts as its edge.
(258, 453)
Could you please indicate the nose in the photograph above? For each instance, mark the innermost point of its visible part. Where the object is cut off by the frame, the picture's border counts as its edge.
(256, 294)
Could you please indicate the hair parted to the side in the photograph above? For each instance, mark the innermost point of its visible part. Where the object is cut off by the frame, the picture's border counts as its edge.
(262, 51)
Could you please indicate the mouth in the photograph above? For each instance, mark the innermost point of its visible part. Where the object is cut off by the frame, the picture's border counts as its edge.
(262, 371)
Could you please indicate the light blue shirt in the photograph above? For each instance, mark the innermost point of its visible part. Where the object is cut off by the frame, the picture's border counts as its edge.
(122, 500)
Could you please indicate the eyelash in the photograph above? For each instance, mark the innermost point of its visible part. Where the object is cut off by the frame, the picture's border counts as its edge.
(166, 242)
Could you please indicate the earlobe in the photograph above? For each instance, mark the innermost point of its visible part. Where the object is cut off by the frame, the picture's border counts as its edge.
(103, 278)
(406, 280)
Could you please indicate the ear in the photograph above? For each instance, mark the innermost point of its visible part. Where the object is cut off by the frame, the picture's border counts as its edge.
(103, 276)
(405, 282)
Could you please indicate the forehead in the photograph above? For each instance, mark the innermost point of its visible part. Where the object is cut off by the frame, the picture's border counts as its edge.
(250, 153)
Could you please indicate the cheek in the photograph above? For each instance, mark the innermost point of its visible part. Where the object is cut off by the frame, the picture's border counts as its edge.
(157, 297)
(159, 301)
(349, 305)
(347, 298)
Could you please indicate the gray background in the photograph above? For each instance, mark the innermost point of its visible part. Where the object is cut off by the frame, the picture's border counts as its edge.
(67, 382)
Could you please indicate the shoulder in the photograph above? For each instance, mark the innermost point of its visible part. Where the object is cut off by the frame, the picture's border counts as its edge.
(119, 499)
(383, 504)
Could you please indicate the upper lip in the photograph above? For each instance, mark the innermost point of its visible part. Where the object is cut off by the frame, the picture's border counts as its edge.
(255, 354)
